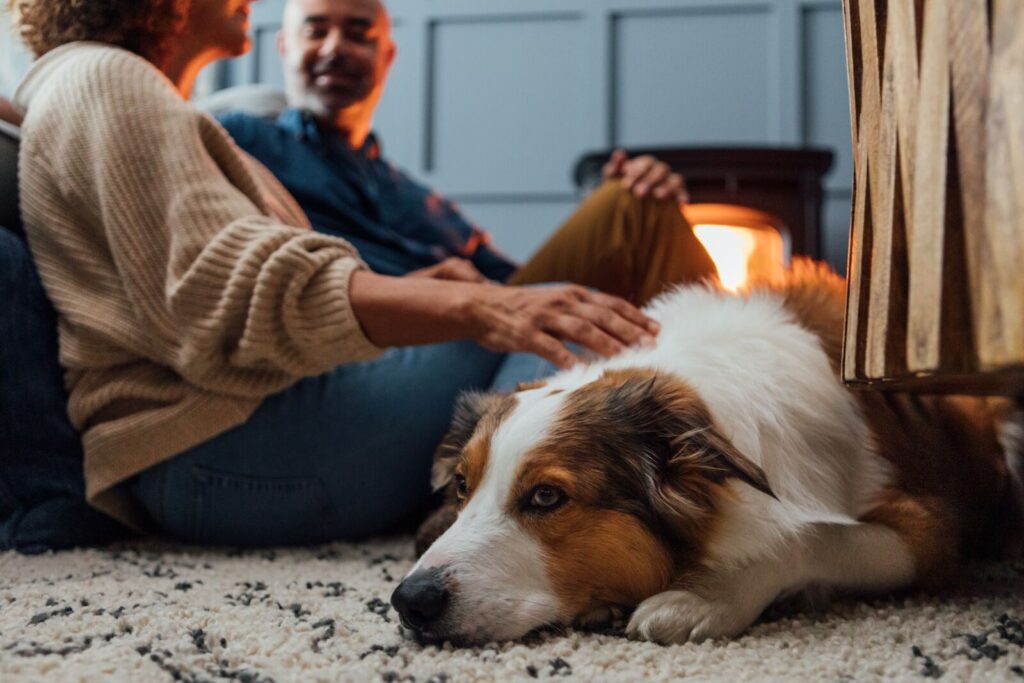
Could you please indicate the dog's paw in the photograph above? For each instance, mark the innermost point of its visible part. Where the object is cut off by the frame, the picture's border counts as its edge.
(683, 616)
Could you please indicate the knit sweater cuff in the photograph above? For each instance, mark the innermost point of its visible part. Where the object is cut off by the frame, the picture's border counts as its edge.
(354, 346)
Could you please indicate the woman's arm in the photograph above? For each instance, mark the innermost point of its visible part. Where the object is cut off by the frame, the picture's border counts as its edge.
(154, 235)
(405, 311)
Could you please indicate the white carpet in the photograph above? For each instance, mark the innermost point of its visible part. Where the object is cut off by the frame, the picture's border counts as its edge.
(159, 613)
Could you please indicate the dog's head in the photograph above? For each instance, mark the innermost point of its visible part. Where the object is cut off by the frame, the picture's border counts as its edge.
(572, 500)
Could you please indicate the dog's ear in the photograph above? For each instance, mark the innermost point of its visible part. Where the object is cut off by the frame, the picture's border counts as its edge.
(705, 451)
(678, 456)
(683, 448)
(470, 406)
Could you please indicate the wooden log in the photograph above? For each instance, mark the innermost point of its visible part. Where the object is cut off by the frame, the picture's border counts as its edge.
(927, 232)
(853, 70)
(857, 271)
(1001, 307)
(885, 326)
(969, 55)
(903, 28)
(861, 32)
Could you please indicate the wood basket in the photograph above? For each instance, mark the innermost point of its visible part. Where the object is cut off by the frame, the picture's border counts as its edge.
(936, 267)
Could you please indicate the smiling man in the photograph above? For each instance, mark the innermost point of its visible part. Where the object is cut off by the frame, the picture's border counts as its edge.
(336, 58)
(628, 238)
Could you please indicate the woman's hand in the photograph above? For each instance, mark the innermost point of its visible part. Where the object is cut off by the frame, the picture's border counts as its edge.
(539, 320)
(397, 311)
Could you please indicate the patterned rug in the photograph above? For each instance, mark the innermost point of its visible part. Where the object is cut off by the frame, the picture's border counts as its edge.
(150, 612)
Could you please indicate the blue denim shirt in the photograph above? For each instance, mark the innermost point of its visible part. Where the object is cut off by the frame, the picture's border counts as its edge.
(397, 224)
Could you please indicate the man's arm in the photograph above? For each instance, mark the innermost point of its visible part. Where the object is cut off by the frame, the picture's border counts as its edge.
(490, 262)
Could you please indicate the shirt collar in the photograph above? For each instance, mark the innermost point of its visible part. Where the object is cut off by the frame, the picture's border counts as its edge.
(301, 124)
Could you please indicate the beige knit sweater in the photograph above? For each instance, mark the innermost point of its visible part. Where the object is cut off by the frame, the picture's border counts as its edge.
(187, 282)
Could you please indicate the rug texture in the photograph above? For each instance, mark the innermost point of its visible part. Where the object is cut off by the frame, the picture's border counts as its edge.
(170, 613)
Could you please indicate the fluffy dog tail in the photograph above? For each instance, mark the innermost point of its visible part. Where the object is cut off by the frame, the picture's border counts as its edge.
(816, 296)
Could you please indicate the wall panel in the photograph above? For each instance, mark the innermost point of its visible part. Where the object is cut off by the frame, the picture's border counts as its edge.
(399, 115)
(826, 119)
(507, 97)
(825, 96)
(14, 58)
(267, 63)
(837, 210)
(693, 75)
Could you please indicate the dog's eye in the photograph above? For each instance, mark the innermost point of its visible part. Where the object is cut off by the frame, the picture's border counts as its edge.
(461, 488)
(546, 497)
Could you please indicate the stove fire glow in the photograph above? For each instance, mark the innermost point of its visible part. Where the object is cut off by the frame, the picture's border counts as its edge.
(740, 252)
(730, 248)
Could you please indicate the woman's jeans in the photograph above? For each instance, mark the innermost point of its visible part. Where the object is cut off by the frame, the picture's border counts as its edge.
(343, 455)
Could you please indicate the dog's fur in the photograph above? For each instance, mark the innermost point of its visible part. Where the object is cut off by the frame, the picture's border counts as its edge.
(702, 479)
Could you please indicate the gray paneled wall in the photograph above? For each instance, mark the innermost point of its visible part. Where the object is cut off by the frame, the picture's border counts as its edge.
(493, 101)
(14, 58)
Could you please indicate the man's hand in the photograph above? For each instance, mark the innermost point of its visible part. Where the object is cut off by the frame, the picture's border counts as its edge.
(646, 176)
(539, 320)
(452, 268)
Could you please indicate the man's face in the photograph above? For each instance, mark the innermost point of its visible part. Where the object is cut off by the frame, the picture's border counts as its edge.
(336, 54)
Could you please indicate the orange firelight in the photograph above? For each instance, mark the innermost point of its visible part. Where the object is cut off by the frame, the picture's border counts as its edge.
(743, 243)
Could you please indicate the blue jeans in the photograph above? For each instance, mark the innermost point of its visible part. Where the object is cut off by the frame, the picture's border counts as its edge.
(340, 456)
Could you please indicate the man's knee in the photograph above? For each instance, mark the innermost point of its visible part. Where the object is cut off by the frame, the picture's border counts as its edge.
(652, 235)
(613, 193)
(636, 219)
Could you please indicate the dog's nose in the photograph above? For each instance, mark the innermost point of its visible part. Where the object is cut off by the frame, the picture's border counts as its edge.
(420, 599)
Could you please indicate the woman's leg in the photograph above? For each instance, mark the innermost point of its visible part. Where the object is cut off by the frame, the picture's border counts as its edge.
(344, 455)
(520, 368)
(614, 242)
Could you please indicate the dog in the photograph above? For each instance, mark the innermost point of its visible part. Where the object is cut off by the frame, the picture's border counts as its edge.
(700, 481)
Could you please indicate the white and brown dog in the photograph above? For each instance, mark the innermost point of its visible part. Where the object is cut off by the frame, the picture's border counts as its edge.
(700, 480)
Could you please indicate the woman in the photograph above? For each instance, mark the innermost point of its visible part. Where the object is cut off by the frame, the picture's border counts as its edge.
(225, 364)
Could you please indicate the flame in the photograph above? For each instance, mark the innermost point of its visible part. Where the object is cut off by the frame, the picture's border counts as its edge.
(730, 247)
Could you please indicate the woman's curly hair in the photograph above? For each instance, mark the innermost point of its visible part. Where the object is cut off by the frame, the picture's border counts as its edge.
(146, 27)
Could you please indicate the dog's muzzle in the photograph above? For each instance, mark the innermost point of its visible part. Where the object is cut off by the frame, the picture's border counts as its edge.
(421, 600)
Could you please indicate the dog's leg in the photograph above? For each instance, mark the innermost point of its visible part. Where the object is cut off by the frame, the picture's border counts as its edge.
(927, 530)
(712, 604)
(900, 542)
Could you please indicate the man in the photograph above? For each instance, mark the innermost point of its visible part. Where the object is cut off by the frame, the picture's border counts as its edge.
(628, 239)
